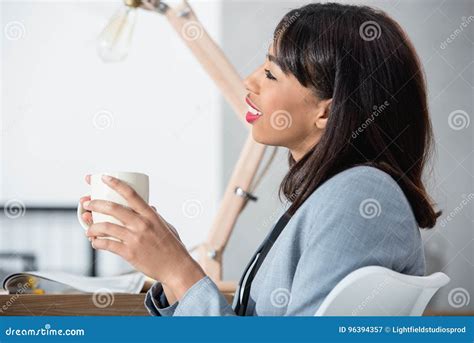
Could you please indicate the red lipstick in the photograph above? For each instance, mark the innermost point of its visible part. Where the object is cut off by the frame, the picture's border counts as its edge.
(250, 118)
(253, 112)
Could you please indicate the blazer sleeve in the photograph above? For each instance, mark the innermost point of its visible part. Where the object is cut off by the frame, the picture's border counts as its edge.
(202, 299)
(360, 221)
(156, 302)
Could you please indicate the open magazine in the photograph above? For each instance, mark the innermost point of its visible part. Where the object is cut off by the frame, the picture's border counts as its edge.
(35, 282)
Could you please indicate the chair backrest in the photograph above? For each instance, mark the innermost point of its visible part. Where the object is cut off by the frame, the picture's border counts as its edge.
(379, 291)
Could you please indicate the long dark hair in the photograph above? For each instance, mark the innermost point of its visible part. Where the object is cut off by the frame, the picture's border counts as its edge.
(363, 60)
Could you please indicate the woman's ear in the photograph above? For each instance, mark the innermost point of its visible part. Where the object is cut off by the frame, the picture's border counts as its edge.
(322, 113)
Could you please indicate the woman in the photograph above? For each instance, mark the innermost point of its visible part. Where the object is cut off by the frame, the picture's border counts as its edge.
(341, 88)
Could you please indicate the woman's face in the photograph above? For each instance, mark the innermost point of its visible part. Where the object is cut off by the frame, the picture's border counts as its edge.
(289, 114)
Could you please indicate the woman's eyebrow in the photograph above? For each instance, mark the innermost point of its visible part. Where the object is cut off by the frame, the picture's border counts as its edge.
(272, 58)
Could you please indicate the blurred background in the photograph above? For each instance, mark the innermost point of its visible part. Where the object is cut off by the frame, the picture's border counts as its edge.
(66, 113)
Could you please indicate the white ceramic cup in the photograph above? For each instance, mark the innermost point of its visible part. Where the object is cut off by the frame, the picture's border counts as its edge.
(100, 190)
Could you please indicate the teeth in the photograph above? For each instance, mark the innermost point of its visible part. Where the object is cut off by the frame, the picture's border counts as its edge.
(254, 111)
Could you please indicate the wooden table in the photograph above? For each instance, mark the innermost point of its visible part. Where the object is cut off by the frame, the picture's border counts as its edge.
(71, 305)
(83, 304)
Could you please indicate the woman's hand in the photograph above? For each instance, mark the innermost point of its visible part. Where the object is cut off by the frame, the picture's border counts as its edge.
(147, 241)
(87, 215)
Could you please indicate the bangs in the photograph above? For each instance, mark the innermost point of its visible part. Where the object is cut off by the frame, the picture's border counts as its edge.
(289, 43)
(299, 52)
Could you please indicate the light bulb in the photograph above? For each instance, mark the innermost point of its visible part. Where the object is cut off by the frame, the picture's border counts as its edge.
(114, 41)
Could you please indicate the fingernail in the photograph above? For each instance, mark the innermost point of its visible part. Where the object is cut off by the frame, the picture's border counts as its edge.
(85, 204)
(107, 177)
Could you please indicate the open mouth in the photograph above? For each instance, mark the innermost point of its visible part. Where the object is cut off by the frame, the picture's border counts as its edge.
(253, 113)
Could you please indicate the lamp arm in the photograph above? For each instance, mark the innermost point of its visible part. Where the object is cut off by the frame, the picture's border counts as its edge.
(219, 68)
(208, 53)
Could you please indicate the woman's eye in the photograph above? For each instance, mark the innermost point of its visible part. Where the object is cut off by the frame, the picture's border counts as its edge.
(269, 75)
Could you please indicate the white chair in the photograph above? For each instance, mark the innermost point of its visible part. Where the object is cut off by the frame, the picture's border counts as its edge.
(379, 291)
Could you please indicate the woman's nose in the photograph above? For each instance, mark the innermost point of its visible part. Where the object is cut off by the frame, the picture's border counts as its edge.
(252, 82)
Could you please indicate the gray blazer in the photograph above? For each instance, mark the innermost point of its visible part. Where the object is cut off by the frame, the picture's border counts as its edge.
(359, 217)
